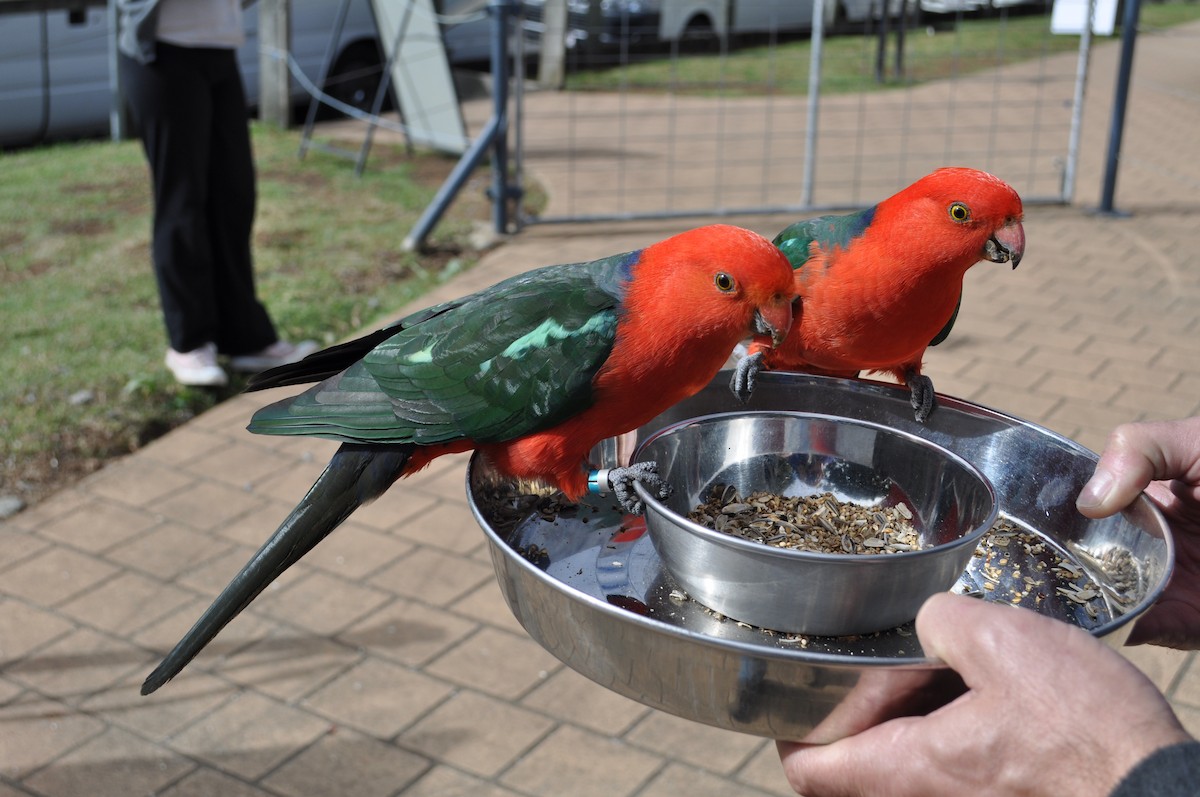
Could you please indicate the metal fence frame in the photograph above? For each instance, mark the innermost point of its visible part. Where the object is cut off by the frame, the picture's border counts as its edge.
(509, 118)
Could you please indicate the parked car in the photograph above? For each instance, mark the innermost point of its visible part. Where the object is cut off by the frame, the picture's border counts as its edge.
(54, 64)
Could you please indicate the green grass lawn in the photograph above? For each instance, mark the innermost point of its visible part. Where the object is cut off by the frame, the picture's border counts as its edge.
(848, 61)
(83, 335)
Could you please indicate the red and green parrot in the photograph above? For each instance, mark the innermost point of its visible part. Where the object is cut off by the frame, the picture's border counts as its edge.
(876, 288)
(531, 373)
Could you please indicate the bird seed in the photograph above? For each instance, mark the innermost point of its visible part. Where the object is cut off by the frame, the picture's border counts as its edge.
(817, 523)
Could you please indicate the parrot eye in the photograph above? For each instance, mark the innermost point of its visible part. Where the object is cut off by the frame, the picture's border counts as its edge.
(960, 212)
(724, 282)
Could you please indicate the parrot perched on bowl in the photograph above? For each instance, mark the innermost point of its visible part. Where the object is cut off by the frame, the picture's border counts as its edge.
(531, 373)
(877, 287)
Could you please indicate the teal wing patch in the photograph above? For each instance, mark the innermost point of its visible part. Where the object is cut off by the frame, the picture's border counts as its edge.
(828, 232)
(498, 364)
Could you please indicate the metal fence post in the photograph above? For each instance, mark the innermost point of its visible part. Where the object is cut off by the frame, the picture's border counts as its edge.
(1117, 126)
(814, 100)
(1071, 167)
(493, 137)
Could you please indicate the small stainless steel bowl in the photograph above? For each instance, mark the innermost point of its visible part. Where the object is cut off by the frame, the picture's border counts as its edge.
(800, 454)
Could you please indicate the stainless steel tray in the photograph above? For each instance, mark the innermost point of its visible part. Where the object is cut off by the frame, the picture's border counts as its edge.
(587, 584)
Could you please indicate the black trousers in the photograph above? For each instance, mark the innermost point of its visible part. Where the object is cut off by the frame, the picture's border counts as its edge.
(190, 107)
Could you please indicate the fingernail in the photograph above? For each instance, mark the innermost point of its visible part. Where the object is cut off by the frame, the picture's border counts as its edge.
(1095, 491)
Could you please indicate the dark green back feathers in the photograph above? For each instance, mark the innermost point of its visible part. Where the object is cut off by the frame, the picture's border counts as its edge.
(495, 365)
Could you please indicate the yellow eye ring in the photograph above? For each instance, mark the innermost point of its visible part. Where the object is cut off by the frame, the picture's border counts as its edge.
(960, 212)
(724, 282)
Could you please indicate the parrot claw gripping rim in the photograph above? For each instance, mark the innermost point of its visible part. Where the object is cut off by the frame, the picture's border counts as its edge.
(587, 584)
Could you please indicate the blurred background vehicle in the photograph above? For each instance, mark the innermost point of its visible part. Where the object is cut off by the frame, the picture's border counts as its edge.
(54, 64)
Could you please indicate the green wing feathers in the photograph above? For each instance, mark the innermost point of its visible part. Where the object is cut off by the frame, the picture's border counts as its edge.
(828, 232)
(498, 364)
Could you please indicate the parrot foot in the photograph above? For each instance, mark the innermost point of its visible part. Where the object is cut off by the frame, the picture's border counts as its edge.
(922, 398)
(742, 382)
(621, 481)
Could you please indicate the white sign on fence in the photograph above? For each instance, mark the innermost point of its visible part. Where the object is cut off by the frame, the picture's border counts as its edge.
(1070, 16)
(420, 73)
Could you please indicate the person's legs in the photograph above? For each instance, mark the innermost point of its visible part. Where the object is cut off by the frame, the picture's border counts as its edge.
(243, 323)
(170, 103)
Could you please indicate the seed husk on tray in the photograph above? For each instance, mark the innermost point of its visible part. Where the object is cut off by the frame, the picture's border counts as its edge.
(818, 523)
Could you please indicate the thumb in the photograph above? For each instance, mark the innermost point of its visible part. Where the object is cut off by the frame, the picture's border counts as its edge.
(1135, 455)
(986, 643)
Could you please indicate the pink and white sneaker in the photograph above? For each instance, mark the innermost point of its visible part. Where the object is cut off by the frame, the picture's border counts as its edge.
(197, 368)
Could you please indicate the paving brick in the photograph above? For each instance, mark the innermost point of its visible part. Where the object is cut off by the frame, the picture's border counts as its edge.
(321, 603)
(9, 691)
(255, 526)
(570, 697)
(697, 745)
(215, 562)
(502, 664)
(477, 734)
(37, 731)
(182, 445)
(114, 764)
(1051, 358)
(355, 551)
(63, 502)
(1027, 404)
(446, 526)
(1113, 347)
(244, 630)
(347, 763)
(1183, 358)
(78, 664)
(487, 605)
(168, 550)
(1013, 375)
(24, 628)
(290, 480)
(446, 782)
(431, 576)
(764, 772)
(249, 736)
(126, 604)
(179, 703)
(207, 505)
(1071, 387)
(1078, 418)
(137, 482)
(286, 664)
(1146, 402)
(98, 525)
(55, 575)
(1161, 665)
(397, 506)
(208, 783)
(11, 791)
(378, 698)
(1186, 689)
(407, 632)
(584, 764)
(240, 465)
(1188, 717)
(679, 779)
(20, 545)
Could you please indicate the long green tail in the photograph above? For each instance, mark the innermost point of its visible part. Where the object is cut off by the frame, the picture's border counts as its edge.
(354, 476)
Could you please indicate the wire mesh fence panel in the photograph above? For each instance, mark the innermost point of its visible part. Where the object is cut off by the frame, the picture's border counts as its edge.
(663, 117)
